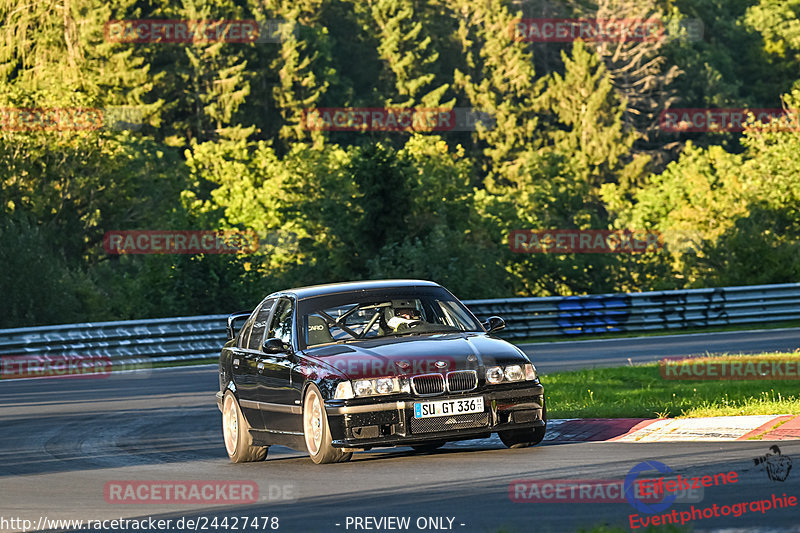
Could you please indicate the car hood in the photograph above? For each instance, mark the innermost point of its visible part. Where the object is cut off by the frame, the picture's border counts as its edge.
(411, 355)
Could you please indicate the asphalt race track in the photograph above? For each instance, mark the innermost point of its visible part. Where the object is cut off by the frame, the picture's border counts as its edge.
(64, 440)
(570, 355)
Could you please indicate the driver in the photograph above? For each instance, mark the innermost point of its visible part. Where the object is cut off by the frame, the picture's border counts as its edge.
(407, 316)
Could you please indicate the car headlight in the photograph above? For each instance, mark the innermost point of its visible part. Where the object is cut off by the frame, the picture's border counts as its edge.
(510, 373)
(344, 391)
(514, 373)
(384, 385)
(362, 387)
(494, 374)
(378, 386)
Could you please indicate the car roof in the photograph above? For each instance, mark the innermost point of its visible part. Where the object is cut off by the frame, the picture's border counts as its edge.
(353, 286)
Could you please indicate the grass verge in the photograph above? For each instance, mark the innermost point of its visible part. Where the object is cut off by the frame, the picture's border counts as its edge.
(641, 392)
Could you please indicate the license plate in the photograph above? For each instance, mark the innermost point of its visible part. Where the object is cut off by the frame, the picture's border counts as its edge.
(460, 406)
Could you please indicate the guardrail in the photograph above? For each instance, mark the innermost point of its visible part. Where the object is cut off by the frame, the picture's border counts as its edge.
(123, 342)
(644, 311)
(200, 337)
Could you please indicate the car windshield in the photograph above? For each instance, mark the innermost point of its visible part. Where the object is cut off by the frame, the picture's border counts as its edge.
(350, 317)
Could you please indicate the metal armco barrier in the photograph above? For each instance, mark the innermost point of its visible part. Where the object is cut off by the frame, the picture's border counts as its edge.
(128, 342)
(200, 337)
(643, 311)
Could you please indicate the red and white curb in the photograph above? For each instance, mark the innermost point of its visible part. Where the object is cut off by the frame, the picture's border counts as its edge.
(719, 428)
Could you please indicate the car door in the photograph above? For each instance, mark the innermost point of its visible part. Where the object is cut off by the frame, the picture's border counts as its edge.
(245, 363)
(280, 400)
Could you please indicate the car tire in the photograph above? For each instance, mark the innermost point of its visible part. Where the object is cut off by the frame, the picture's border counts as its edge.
(236, 433)
(523, 438)
(317, 433)
(428, 446)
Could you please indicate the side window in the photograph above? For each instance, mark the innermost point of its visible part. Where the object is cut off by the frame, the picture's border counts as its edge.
(281, 326)
(455, 316)
(260, 325)
(244, 333)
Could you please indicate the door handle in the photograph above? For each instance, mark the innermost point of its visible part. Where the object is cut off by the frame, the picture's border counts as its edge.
(260, 367)
(236, 363)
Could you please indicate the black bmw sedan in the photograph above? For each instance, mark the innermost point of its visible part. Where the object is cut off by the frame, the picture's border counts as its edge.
(332, 369)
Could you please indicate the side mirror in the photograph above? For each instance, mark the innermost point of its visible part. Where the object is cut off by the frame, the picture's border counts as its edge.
(275, 345)
(494, 323)
(232, 318)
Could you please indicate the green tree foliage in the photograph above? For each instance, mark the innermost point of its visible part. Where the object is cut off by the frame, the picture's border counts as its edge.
(38, 284)
(81, 185)
(732, 218)
(589, 123)
(585, 150)
(408, 52)
(778, 24)
(499, 79)
(573, 143)
(641, 74)
(738, 62)
(304, 66)
(201, 83)
(54, 53)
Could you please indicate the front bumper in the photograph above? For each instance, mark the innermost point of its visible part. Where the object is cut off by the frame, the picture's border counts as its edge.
(373, 422)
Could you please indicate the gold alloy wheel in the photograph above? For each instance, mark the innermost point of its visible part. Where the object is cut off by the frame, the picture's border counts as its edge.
(230, 425)
(312, 422)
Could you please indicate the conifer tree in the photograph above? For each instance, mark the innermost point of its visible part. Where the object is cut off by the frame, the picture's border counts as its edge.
(499, 79)
(409, 54)
(590, 127)
(640, 72)
(304, 67)
(54, 53)
(203, 81)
